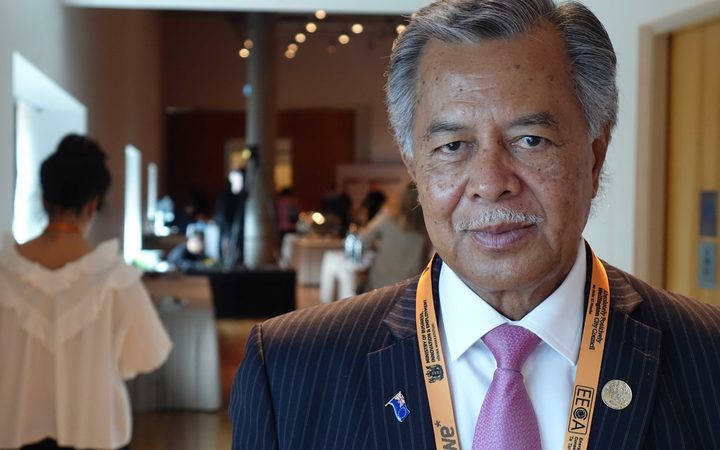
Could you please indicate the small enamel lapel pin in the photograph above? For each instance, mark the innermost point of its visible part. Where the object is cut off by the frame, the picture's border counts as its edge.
(399, 406)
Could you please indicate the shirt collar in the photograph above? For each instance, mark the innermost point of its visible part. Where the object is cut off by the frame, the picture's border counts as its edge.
(557, 320)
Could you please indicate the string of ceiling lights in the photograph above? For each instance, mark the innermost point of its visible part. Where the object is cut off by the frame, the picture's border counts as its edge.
(310, 28)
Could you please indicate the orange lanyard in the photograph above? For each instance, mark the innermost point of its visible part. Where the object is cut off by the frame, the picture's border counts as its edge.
(586, 377)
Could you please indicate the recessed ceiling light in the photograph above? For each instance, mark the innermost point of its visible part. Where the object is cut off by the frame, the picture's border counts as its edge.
(357, 28)
(320, 14)
(300, 38)
(293, 47)
(310, 27)
(289, 54)
(248, 44)
(244, 53)
(343, 39)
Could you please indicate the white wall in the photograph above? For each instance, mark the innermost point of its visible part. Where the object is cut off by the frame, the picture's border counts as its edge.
(44, 113)
(94, 56)
(301, 6)
(611, 232)
(37, 133)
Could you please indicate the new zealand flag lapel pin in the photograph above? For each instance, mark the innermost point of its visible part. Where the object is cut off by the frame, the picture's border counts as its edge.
(399, 406)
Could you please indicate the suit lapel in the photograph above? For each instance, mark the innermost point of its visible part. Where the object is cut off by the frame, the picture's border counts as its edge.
(392, 370)
(632, 355)
(396, 368)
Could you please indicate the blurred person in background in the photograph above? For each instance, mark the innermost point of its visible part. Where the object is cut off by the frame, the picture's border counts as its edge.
(190, 255)
(75, 320)
(373, 201)
(230, 218)
(397, 233)
(193, 211)
(287, 211)
(336, 206)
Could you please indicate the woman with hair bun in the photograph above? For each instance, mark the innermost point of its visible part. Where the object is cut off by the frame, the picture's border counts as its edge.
(75, 320)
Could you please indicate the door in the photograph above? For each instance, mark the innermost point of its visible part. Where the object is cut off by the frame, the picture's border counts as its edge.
(691, 266)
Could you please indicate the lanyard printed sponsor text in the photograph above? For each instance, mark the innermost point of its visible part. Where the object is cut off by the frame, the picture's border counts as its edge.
(585, 390)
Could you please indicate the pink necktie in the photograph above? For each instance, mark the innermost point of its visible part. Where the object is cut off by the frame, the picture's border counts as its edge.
(507, 420)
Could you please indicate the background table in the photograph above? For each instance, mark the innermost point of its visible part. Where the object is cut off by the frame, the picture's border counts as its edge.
(190, 378)
(305, 255)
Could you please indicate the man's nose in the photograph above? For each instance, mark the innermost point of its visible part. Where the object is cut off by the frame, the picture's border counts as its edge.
(492, 174)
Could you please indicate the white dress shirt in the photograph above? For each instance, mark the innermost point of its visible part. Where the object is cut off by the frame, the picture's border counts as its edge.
(549, 372)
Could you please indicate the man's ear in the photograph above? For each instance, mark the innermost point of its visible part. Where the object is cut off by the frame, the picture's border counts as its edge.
(599, 149)
(409, 164)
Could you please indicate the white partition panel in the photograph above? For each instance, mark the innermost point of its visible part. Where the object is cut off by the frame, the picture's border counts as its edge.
(152, 182)
(132, 232)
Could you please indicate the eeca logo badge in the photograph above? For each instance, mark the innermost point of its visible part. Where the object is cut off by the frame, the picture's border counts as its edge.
(582, 401)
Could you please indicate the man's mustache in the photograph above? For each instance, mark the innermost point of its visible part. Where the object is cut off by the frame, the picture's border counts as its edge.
(496, 217)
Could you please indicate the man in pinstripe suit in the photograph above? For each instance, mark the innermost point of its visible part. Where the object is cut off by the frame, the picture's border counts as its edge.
(503, 111)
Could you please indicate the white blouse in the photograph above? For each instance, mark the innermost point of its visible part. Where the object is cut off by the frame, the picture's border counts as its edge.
(68, 338)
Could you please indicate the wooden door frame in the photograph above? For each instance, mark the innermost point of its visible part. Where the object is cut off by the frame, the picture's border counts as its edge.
(651, 167)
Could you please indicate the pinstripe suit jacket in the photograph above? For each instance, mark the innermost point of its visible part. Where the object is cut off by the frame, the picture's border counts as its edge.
(319, 378)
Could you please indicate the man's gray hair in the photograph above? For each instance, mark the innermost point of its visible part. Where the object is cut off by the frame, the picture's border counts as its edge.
(591, 55)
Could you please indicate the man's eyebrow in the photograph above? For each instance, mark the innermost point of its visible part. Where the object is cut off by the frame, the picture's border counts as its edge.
(542, 118)
(441, 126)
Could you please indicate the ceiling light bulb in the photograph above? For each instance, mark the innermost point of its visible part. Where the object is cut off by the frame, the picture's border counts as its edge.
(289, 54)
(320, 14)
(400, 28)
(357, 28)
(310, 27)
(293, 47)
(244, 53)
(300, 38)
(248, 44)
(343, 39)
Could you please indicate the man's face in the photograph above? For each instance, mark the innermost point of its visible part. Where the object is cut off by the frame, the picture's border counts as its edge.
(195, 244)
(497, 129)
